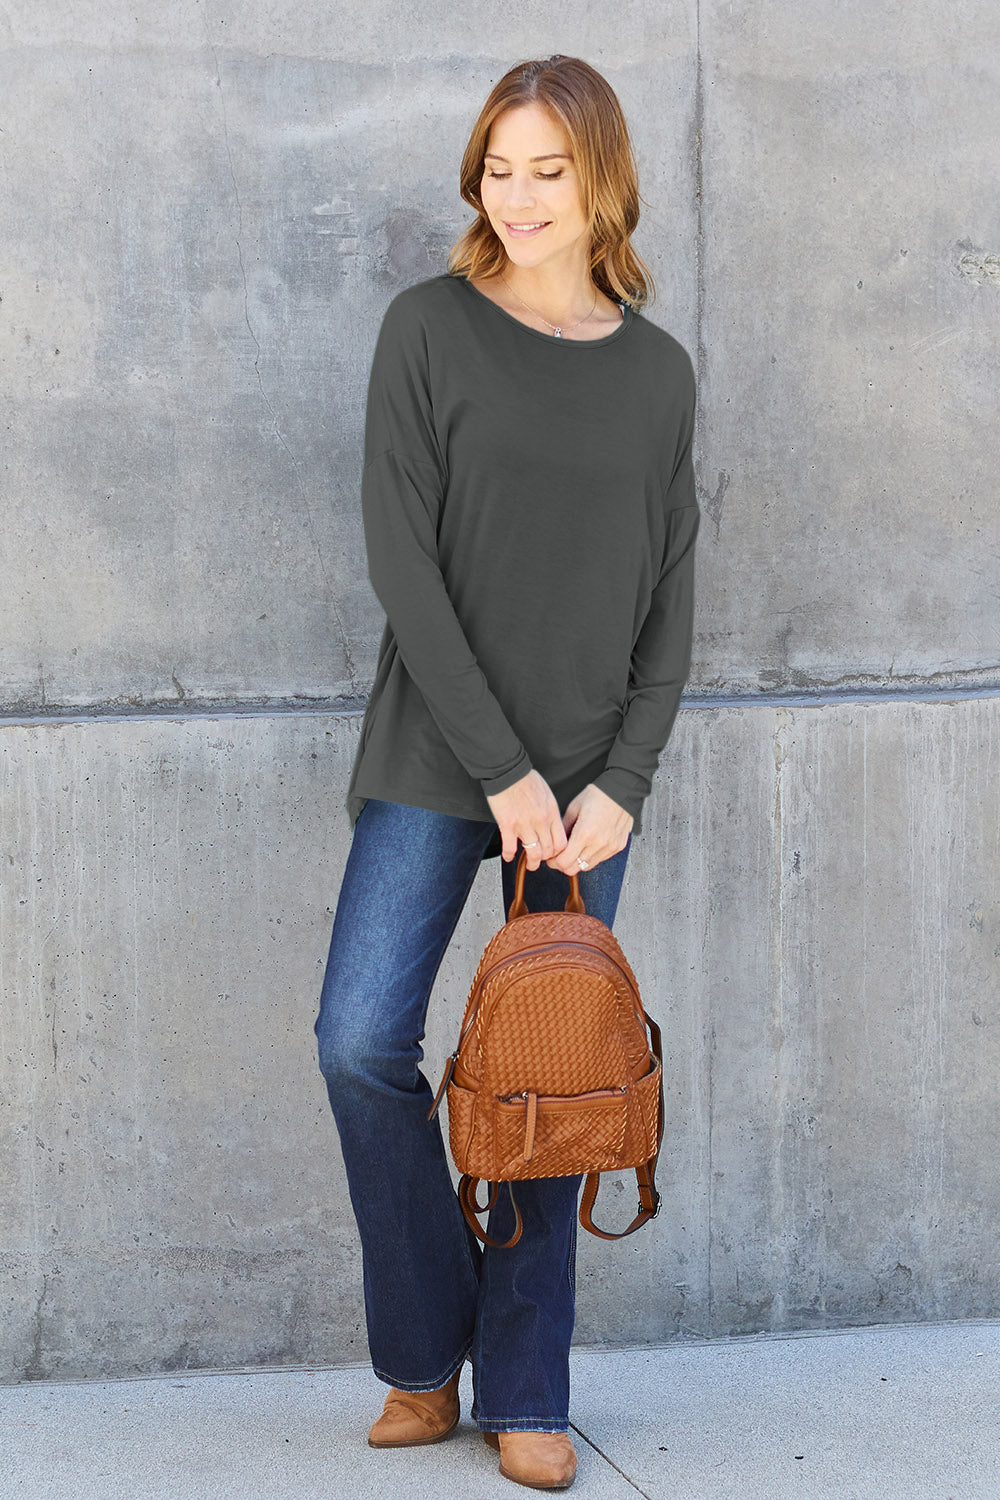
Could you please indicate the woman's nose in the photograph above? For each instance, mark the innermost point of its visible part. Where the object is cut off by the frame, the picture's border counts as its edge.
(520, 191)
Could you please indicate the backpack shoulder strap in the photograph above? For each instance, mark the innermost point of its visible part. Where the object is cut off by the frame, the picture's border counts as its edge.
(649, 1204)
(467, 1189)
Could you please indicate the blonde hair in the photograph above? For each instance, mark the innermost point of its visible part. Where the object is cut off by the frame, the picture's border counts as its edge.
(589, 110)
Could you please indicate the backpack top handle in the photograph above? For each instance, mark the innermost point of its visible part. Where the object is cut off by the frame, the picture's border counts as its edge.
(574, 901)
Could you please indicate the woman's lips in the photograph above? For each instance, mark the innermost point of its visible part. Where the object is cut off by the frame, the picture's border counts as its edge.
(526, 234)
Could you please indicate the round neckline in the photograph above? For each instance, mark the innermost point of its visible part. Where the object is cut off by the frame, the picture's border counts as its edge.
(550, 338)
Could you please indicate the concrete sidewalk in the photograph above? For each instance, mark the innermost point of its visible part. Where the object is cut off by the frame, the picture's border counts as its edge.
(907, 1411)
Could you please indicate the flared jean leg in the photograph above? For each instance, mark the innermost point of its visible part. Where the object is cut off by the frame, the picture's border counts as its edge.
(408, 875)
(527, 1293)
(432, 1296)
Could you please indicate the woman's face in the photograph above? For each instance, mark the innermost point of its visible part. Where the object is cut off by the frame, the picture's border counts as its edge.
(519, 189)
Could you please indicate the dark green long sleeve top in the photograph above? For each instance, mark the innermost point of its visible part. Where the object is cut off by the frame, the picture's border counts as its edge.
(530, 520)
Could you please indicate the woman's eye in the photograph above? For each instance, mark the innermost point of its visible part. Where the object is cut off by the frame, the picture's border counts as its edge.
(548, 176)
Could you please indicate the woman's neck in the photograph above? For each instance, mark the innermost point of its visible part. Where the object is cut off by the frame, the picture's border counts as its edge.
(562, 293)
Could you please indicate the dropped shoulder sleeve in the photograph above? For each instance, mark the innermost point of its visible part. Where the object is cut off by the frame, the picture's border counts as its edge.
(403, 485)
(661, 656)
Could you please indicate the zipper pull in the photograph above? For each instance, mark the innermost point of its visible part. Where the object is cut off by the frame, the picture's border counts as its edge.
(529, 1125)
(453, 1059)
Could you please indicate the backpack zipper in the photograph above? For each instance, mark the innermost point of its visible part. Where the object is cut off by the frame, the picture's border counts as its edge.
(621, 1088)
(543, 947)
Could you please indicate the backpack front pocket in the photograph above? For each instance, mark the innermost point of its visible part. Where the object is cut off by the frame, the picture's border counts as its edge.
(558, 1135)
(461, 1124)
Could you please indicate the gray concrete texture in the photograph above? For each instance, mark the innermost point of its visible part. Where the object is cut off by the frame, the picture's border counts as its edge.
(813, 918)
(207, 207)
(204, 210)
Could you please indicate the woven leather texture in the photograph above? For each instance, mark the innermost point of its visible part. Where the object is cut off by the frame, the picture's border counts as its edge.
(554, 1074)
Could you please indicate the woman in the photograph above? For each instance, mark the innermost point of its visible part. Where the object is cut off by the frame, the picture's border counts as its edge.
(530, 520)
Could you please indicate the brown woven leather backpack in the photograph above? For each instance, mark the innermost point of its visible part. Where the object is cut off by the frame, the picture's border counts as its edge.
(553, 1074)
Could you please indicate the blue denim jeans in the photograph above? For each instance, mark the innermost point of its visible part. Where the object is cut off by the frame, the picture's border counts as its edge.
(433, 1295)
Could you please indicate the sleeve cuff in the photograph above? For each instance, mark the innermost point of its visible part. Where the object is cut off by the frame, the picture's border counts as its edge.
(493, 784)
(627, 788)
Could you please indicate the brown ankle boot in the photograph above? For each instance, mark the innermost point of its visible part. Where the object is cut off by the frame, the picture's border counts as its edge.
(540, 1460)
(410, 1418)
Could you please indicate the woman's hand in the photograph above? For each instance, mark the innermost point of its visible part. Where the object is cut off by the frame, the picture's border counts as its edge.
(594, 828)
(597, 826)
(528, 811)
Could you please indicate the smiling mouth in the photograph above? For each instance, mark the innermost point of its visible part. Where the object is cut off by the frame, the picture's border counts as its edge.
(528, 228)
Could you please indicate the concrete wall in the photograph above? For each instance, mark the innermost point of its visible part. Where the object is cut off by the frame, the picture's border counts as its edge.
(203, 212)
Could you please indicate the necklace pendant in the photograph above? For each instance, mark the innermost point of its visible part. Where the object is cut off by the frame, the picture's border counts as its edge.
(558, 333)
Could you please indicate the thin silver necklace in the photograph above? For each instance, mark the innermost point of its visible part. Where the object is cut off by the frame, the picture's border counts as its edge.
(556, 327)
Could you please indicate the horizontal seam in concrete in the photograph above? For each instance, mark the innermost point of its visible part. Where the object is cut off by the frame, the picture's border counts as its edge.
(675, 1346)
(332, 708)
(670, 1346)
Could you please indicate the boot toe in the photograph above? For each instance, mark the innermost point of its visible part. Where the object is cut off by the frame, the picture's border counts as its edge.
(411, 1418)
(539, 1460)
